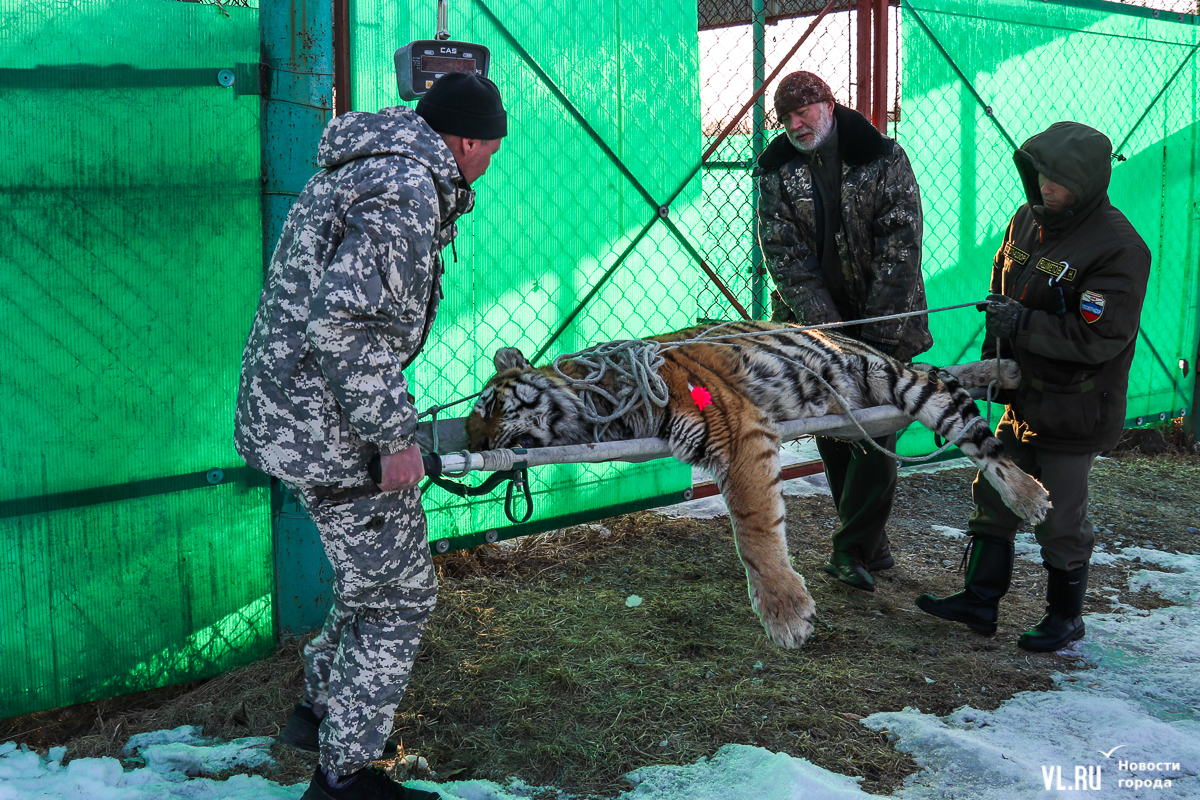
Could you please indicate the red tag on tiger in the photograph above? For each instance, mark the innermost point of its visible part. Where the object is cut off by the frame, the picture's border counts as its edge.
(700, 396)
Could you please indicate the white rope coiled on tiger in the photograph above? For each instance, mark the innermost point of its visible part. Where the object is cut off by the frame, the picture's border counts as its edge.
(635, 360)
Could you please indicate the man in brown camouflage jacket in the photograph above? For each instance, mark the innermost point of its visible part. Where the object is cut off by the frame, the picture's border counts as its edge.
(839, 224)
(350, 295)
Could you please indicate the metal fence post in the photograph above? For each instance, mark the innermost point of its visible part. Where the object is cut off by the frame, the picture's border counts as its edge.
(757, 283)
(297, 103)
(865, 85)
(879, 69)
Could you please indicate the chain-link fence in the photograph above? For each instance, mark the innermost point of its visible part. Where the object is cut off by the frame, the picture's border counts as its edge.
(1131, 73)
(230, 3)
(1134, 74)
(738, 53)
(1175, 7)
(586, 227)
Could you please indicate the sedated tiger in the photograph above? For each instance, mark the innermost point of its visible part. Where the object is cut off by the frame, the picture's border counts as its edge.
(766, 375)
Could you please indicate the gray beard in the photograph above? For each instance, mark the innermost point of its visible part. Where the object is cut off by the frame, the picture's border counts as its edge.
(823, 130)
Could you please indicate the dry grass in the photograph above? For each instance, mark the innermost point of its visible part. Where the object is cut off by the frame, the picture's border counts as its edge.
(533, 665)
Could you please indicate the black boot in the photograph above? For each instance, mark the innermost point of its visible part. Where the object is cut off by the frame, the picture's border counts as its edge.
(849, 570)
(371, 783)
(989, 569)
(1063, 621)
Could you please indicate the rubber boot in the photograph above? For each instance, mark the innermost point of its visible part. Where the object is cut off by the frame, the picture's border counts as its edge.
(1063, 621)
(989, 569)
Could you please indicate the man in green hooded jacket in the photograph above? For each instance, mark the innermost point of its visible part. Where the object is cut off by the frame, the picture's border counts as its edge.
(1067, 289)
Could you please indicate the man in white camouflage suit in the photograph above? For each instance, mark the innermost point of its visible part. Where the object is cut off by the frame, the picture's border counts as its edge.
(350, 295)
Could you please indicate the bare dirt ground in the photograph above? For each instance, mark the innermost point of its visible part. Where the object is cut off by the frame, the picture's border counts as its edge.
(534, 666)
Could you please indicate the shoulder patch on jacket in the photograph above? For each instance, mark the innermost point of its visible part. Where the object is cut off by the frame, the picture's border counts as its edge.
(1091, 306)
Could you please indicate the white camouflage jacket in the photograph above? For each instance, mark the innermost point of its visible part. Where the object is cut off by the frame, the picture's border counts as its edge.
(350, 295)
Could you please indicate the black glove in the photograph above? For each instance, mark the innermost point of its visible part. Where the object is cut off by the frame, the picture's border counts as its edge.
(1004, 316)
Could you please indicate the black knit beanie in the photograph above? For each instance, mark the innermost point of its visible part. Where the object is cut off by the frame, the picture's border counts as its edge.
(464, 104)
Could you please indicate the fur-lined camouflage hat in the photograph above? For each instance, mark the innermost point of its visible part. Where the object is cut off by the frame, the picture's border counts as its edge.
(799, 89)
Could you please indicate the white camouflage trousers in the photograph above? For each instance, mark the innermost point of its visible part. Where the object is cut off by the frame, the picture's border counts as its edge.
(356, 669)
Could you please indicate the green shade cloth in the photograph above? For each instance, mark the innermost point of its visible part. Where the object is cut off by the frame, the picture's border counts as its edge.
(130, 265)
(554, 213)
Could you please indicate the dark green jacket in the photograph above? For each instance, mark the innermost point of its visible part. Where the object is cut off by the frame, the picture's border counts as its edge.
(879, 243)
(1074, 347)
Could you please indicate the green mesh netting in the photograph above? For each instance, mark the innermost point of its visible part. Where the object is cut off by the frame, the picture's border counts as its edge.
(554, 213)
(982, 76)
(129, 269)
(729, 219)
(1128, 71)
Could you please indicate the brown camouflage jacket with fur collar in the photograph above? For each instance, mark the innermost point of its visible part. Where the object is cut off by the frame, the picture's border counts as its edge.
(879, 242)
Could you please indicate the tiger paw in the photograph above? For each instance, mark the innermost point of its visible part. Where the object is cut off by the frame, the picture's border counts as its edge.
(786, 616)
(981, 373)
(1025, 495)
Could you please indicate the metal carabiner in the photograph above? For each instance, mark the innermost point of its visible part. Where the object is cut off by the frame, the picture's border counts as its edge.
(1060, 299)
(520, 479)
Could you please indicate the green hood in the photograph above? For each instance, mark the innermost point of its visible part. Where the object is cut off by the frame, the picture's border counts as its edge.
(1074, 156)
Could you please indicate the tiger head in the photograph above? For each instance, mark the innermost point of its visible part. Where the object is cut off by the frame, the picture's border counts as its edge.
(524, 407)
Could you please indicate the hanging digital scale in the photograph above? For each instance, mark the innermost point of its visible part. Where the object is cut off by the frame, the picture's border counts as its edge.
(421, 62)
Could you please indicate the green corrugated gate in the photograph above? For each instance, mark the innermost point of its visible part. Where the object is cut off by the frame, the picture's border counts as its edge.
(129, 267)
(136, 547)
(555, 213)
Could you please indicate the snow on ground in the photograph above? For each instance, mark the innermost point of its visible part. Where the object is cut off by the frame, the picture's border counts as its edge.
(1125, 725)
(172, 758)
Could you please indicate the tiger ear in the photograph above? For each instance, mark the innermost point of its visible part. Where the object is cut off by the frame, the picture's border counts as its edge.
(509, 358)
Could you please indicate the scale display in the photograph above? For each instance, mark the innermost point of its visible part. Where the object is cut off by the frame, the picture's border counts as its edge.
(420, 63)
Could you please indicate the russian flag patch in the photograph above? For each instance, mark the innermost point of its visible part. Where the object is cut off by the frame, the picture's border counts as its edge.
(1091, 306)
